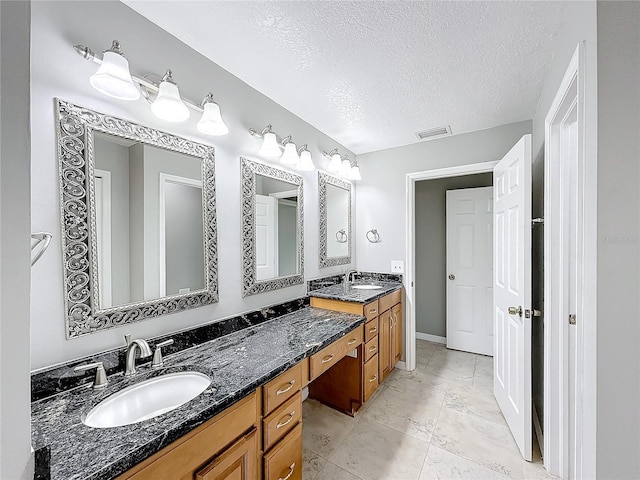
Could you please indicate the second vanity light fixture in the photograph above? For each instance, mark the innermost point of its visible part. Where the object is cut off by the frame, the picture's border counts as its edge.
(342, 166)
(285, 149)
(114, 79)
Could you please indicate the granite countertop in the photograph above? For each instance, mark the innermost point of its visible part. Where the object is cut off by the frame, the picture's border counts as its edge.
(350, 294)
(238, 363)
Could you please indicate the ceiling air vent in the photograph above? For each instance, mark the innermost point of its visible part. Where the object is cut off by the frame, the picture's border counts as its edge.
(434, 133)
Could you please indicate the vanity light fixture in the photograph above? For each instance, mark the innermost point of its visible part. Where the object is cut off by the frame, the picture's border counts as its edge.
(305, 164)
(211, 122)
(290, 155)
(354, 174)
(345, 169)
(114, 79)
(168, 105)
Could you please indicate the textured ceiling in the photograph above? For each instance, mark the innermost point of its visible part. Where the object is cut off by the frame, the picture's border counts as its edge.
(371, 74)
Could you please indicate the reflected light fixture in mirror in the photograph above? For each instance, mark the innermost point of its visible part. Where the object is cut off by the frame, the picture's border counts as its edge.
(211, 122)
(305, 164)
(168, 105)
(290, 155)
(113, 77)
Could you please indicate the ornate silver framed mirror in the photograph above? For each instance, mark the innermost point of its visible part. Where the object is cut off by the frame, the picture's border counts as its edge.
(335, 220)
(272, 228)
(139, 225)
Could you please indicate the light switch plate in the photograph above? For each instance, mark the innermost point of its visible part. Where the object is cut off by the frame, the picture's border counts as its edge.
(397, 266)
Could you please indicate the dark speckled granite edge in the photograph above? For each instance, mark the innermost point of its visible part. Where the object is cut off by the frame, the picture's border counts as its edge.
(60, 378)
(42, 463)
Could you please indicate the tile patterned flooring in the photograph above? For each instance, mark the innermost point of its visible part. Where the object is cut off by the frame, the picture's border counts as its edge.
(438, 422)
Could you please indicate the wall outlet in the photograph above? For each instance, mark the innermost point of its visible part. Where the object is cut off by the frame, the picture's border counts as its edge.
(397, 266)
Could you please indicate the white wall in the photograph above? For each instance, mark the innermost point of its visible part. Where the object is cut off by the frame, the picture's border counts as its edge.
(381, 193)
(579, 25)
(618, 354)
(57, 71)
(15, 438)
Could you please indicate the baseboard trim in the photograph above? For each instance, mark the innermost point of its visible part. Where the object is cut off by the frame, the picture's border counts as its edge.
(538, 428)
(401, 365)
(431, 338)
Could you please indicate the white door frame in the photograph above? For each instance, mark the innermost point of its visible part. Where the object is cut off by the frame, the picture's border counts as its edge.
(556, 334)
(104, 247)
(409, 278)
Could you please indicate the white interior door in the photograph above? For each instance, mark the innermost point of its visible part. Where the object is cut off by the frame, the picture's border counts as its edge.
(512, 291)
(265, 237)
(469, 218)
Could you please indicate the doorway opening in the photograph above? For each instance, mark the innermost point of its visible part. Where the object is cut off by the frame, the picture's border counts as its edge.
(445, 217)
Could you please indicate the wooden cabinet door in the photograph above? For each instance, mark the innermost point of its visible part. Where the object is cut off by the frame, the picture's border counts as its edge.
(396, 334)
(238, 462)
(384, 344)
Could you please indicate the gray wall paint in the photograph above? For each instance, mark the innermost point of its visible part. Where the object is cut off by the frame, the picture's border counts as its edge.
(381, 192)
(431, 249)
(60, 72)
(579, 25)
(618, 297)
(15, 419)
(115, 159)
(287, 238)
(183, 238)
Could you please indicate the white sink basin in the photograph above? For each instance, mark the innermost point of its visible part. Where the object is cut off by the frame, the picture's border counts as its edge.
(147, 399)
(366, 287)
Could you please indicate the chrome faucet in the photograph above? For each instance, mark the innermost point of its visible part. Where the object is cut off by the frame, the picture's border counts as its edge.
(348, 277)
(132, 346)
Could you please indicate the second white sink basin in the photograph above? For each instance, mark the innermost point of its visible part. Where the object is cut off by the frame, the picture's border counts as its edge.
(366, 287)
(147, 399)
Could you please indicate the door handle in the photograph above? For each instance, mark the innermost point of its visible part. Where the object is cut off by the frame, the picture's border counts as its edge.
(515, 311)
(452, 276)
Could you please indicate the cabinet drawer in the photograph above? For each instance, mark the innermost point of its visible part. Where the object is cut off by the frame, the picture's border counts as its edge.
(371, 310)
(281, 388)
(370, 329)
(284, 461)
(282, 421)
(329, 356)
(390, 300)
(370, 377)
(325, 359)
(370, 348)
(239, 461)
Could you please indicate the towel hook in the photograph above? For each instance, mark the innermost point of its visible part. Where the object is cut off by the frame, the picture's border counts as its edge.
(42, 242)
(373, 236)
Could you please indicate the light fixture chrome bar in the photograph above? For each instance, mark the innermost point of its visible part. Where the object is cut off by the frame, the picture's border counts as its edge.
(268, 129)
(333, 152)
(88, 54)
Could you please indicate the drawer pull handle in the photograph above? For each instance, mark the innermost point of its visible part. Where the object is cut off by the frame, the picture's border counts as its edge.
(373, 311)
(327, 359)
(287, 421)
(373, 379)
(373, 348)
(291, 469)
(285, 390)
(352, 341)
(373, 330)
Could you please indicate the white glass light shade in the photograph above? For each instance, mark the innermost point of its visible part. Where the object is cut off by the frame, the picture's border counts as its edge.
(306, 164)
(211, 122)
(290, 155)
(113, 78)
(168, 105)
(336, 163)
(354, 174)
(270, 147)
(345, 169)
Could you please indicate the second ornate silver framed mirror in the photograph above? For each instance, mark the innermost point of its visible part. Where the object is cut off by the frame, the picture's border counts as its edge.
(272, 228)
